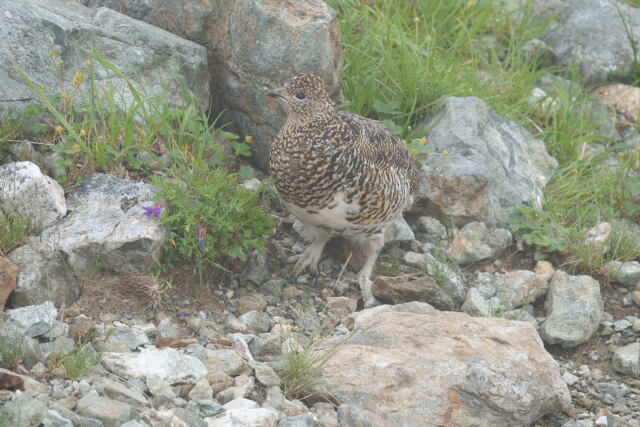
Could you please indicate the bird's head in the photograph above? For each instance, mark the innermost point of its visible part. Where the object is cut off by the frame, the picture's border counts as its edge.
(305, 98)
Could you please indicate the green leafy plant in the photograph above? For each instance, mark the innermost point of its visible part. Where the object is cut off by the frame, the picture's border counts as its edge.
(14, 230)
(302, 374)
(209, 217)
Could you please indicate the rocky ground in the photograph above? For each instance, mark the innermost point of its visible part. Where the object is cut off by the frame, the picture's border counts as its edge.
(469, 329)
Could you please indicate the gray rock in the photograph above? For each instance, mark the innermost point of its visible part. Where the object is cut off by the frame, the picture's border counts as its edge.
(253, 45)
(399, 232)
(621, 325)
(265, 374)
(54, 419)
(111, 412)
(393, 290)
(32, 353)
(574, 310)
(26, 192)
(444, 276)
(272, 287)
(521, 316)
(166, 363)
(432, 227)
(43, 275)
(256, 269)
(256, 321)
(224, 360)
(26, 409)
(625, 273)
(578, 423)
(492, 165)
(591, 34)
(131, 337)
(167, 329)
(201, 391)
(262, 417)
(33, 320)
(306, 420)
(627, 359)
(477, 303)
(266, 347)
(146, 55)
(434, 361)
(477, 243)
(107, 227)
(253, 301)
(515, 288)
(159, 387)
(121, 392)
(61, 345)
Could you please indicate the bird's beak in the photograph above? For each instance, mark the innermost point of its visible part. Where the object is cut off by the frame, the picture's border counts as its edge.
(277, 93)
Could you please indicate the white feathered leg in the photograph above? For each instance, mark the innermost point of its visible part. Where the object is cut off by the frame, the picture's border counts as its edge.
(311, 256)
(370, 247)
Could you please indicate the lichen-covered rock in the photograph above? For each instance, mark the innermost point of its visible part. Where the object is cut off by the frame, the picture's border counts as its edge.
(393, 290)
(415, 363)
(492, 165)
(146, 55)
(107, 227)
(252, 46)
(27, 193)
(448, 280)
(167, 363)
(591, 35)
(33, 320)
(475, 242)
(627, 359)
(574, 310)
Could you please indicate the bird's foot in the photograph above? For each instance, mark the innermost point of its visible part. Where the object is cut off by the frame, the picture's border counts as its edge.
(367, 295)
(308, 258)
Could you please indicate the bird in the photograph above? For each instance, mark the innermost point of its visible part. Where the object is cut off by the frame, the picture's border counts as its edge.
(338, 173)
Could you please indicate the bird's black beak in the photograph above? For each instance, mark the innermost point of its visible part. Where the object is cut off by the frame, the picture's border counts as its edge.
(276, 94)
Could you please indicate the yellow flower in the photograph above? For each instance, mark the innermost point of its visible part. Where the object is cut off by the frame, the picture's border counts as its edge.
(59, 129)
(77, 78)
(75, 148)
(52, 52)
(445, 153)
(423, 141)
(248, 139)
(83, 132)
(64, 95)
(416, 20)
(574, 171)
(88, 63)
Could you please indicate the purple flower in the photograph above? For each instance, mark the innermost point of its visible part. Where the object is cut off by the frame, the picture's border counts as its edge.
(201, 240)
(154, 210)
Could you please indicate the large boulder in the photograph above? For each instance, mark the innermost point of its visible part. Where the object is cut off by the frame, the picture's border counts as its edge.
(483, 167)
(252, 45)
(26, 192)
(147, 55)
(592, 35)
(410, 363)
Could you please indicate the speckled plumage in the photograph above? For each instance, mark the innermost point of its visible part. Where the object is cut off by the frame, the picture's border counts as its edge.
(339, 173)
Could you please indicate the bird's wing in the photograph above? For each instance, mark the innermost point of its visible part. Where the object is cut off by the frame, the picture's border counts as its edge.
(379, 145)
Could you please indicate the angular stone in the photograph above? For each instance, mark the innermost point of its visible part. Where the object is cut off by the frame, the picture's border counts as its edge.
(627, 359)
(131, 337)
(574, 310)
(447, 279)
(251, 302)
(416, 363)
(107, 226)
(33, 320)
(392, 290)
(624, 99)
(262, 417)
(122, 393)
(44, 274)
(8, 273)
(517, 287)
(224, 360)
(591, 35)
(219, 381)
(600, 235)
(306, 420)
(492, 165)
(149, 57)
(25, 383)
(477, 243)
(159, 387)
(399, 231)
(201, 391)
(167, 363)
(256, 321)
(27, 409)
(265, 374)
(625, 273)
(111, 412)
(253, 46)
(26, 192)
(432, 227)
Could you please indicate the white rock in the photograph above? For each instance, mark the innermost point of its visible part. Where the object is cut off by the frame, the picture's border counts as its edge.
(33, 320)
(241, 403)
(399, 231)
(262, 417)
(166, 363)
(25, 191)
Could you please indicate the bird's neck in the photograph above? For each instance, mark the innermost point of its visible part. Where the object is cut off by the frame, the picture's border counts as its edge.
(311, 121)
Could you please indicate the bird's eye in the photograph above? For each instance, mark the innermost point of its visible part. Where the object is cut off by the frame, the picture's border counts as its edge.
(300, 96)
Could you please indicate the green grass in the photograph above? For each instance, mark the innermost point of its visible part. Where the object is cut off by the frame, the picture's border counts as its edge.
(194, 165)
(302, 375)
(400, 59)
(77, 363)
(13, 232)
(10, 128)
(10, 350)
